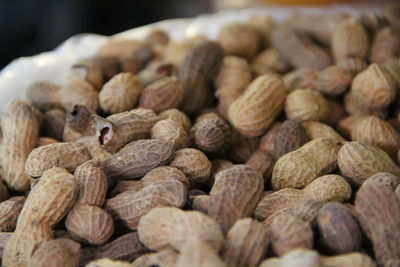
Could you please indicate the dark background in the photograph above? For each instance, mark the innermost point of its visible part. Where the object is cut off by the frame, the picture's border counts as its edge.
(28, 27)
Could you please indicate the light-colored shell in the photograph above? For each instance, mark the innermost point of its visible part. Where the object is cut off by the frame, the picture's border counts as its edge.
(47, 203)
(177, 116)
(358, 161)
(333, 81)
(288, 232)
(78, 92)
(194, 164)
(352, 65)
(196, 253)
(193, 225)
(257, 108)
(170, 130)
(269, 61)
(299, 168)
(153, 226)
(350, 39)
(89, 224)
(121, 93)
(304, 78)
(386, 45)
(64, 155)
(377, 132)
(297, 257)
(164, 258)
(20, 131)
(315, 129)
(162, 94)
(245, 244)
(352, 259)
(239, 39)
(92, 183)
(374, 88)
(306, 105)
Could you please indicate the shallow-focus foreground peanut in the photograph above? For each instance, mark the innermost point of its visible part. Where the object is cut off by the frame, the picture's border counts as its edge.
(20, 130)
(245, 244)
(48, 202)
(300, 167)
(259, 105)
(378, 211)
(235, 194)
(358, 161)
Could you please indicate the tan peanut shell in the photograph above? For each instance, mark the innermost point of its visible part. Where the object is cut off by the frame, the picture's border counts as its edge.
(127, 247)
(262, 162)
(92, 183)
(306, 105)
(153, 227)
(304, 78)
(164, 258)
(377, 132)
(163, 94)
(130, 207)
(120, 94)
(333, 81)
(351, 259)
(88, 72)
(378, 211)
(78, 92)
(198, 68)
(299, 257)
(9, 212)
(44, 141)
(211, 133)
(289, 137)
(57, 252)
(170, 130)
(339, 229)
(300, 167)
(315, 129)
(386, 45)
(218, 165)
(288, 232)
(119, 129)
(193, 163)
(200, 203)
(193, 225)
(47, 203)
(374, 88)
(96, 151)
(235, 194)
(162, 173)
(89, 224)
(267, 142)
(239, 39)
(177, 116)
(349, 39)
(104, 262)
(352, 65)
(330, 187)
(232, 79)
(197, 253)
(157, 37)
(257, 108)
(137, 158)
(245, 244)
(20, 131)
(264, 24)
(358, 161)
(269, 61)
(65, 155)
(297, 49)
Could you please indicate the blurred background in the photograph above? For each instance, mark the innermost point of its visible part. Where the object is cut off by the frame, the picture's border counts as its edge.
(28, 27)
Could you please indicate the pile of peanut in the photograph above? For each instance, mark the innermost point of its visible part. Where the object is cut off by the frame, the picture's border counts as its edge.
(275, 145)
